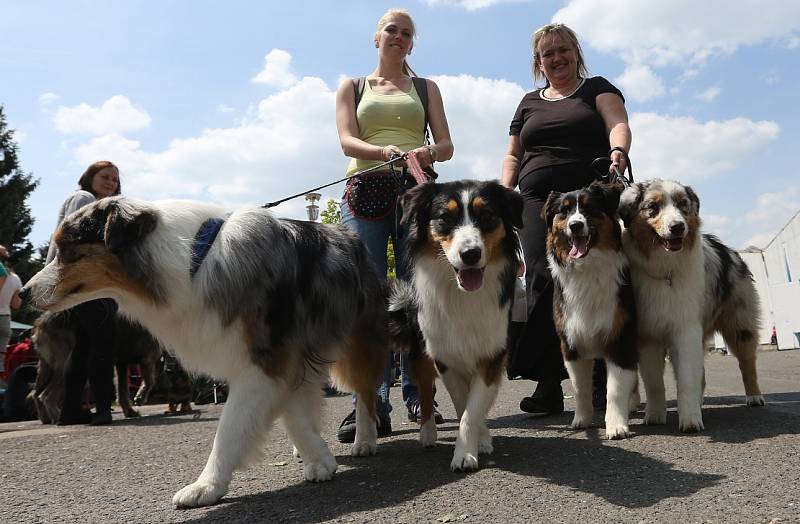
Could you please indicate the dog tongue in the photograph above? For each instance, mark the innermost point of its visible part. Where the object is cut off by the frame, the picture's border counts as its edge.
(470, 279)
(579, 247)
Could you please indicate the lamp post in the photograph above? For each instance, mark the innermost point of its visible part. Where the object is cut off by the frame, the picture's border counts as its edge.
(312, 208)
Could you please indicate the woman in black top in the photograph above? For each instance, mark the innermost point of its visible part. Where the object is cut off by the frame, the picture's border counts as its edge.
(556, 133)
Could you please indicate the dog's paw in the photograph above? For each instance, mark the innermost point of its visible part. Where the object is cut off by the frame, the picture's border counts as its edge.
(616, 432)
(201, 493)
(755, 400)
(464, 461)
(364, 449)
(427, 434)
(690, 423)
(131, 413)
(319, 471)
(655, 418)
(581, 422)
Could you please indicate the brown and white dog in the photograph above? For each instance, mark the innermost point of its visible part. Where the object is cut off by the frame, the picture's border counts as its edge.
(687, 286)
(463, 255)
(263, 303)
(593, 306)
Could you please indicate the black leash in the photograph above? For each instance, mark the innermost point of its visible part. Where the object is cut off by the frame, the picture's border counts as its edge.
(389, 163)
(614, 175)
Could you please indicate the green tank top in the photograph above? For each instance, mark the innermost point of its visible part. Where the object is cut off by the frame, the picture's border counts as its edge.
(384, 120)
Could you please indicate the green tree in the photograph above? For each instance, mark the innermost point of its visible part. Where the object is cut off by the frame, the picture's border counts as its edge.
(332, 214)
(15, 215)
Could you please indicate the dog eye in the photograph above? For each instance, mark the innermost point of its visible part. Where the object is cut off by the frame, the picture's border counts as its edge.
(652, 209)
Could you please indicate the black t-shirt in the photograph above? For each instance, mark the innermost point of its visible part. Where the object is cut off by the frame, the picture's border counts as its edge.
(565, 131)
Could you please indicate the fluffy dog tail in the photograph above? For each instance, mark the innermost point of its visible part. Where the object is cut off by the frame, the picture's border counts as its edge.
(404, 332)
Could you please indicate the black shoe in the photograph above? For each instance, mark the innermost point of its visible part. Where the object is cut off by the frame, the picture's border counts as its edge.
(83, 416)
(414, 413)
(546, 400)
(347, 429)
(101, 419)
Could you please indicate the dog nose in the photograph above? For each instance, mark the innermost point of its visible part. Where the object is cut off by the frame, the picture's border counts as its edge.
(471, 256)
(677, 228)
(576, 227)
(24, 293)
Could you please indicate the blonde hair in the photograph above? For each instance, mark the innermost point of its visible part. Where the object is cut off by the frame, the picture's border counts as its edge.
(564, 33)
(388, 15)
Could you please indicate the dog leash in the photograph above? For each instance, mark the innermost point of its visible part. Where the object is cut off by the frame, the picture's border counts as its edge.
(390, 163)
(614, 175)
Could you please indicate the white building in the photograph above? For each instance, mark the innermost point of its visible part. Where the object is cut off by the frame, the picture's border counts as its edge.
(776, 270)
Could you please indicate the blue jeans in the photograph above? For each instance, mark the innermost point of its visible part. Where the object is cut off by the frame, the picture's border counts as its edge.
(376, 234)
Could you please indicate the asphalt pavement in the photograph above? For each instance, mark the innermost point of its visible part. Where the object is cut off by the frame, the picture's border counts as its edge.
(745, 466)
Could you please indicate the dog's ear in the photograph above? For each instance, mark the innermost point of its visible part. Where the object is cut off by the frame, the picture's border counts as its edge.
(694, 199)
(126, 225)
(629, 202)
(609, 194)
(511, 210)
(550, 208)
(416, 205)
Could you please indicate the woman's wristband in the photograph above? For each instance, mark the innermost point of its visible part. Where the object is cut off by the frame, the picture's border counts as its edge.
(432, 152)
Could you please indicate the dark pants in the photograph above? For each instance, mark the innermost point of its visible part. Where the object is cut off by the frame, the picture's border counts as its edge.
(535, 349)
(92, 356)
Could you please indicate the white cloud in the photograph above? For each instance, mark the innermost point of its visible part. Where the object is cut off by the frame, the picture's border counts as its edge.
(46, 99)
(276, 70)
(682, 32)
(640, 83)
(709, 94)
(470, 5)
(771, 212)
(116, 115)
(684, 149)
(771, 78)
(222, 108)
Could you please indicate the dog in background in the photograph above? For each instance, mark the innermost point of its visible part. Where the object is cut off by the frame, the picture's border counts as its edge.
(54, 339)
(593, 304)
(266, 304)
(687, 285)
(453, 315)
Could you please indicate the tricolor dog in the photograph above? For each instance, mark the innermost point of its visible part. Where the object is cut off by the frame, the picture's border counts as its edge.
(463, 257)
(593, 305)
(266, 304)
(687, 285)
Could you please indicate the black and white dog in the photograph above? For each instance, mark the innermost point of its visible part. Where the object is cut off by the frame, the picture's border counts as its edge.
(687, 286)
(463, 255)
(593, 306)
(265, 304)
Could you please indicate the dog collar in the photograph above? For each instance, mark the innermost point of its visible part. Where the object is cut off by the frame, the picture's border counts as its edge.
(202, 242)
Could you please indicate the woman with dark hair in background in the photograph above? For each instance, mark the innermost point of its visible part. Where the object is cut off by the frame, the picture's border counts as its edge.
(94, 338)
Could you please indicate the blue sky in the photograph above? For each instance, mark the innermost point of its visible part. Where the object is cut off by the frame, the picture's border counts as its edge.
(234, 103)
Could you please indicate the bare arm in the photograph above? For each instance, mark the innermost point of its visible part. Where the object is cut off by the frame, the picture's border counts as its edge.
(511, 161)
(615, 117)
(347, 126)
(16, 302)
(442, 147)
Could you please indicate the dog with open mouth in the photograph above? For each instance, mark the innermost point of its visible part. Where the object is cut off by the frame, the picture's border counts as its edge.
(687, 285)
(452, 317)
(593, 305)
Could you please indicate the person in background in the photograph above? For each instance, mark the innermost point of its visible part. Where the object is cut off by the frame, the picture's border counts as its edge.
(389, 121)
(94, 337)
(10, 284)
(556, 133)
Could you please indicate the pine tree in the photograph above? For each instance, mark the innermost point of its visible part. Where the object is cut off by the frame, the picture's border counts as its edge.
(15, 215)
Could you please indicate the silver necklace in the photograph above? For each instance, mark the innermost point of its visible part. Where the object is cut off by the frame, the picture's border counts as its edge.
(556, 99)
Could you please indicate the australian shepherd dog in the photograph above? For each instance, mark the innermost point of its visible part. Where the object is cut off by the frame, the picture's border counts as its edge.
(463, 254)
(687, 286)
(264, 303)
(593, 305)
